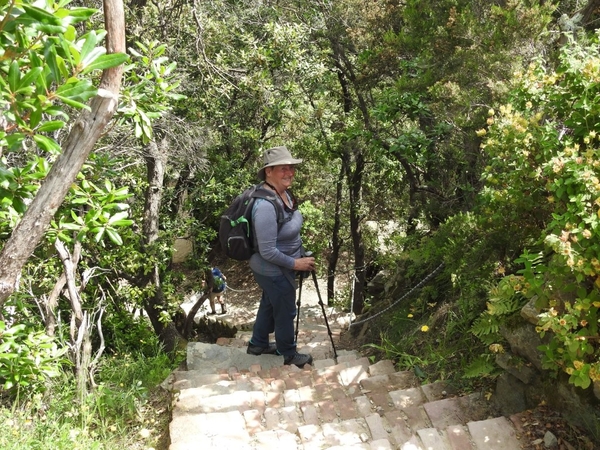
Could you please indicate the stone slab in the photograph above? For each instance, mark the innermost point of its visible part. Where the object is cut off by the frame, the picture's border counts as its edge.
(444, 413)
(438, 390)
(275, 440)
(381, 444)
(494, 434)
(407, 397)
(432, 440)
(459, 438)
(383, 367)
(210, 358)
(416, 417)
(216, 430)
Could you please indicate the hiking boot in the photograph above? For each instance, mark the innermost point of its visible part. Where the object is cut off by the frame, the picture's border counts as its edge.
(299, 359)
(256, 350)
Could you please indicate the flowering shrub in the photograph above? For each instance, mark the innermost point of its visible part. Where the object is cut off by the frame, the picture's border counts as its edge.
(544, 177)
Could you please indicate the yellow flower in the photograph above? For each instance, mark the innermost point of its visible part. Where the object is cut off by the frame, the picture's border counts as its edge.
(481, 132)
(424, 328)
(410, 315)
(496, 348)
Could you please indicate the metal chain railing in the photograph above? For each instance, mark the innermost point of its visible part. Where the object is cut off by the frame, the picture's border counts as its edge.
(414, 288)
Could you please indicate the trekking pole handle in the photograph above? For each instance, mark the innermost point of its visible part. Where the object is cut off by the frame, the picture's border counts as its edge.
(305, 264)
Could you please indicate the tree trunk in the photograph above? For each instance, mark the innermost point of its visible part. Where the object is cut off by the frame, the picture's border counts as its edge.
(81, 140)
(355, 184)
(336, 241)
(156, 303)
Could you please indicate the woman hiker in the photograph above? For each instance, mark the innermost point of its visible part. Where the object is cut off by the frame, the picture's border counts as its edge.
(278, 258)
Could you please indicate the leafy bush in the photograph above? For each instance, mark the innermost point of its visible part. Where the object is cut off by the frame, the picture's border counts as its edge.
(544, 180)
(28, 357)
(125, 410)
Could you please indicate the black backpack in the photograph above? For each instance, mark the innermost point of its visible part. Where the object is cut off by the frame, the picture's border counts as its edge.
(235, 229)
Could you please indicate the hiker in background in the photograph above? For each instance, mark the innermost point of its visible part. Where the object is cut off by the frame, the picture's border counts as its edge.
(219, 286)
(279, 256)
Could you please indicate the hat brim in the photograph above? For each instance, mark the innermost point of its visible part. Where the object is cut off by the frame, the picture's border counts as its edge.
(283, 162)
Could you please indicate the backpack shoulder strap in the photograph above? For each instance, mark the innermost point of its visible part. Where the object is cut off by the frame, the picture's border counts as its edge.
(260, 192)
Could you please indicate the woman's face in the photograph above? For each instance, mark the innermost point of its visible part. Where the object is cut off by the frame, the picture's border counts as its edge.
(281, 176)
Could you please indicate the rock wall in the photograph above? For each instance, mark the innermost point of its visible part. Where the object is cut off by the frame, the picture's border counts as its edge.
(525, 384)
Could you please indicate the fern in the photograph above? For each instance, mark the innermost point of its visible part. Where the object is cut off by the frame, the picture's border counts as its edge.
(480, 367)
(486, 328)
(505, 299)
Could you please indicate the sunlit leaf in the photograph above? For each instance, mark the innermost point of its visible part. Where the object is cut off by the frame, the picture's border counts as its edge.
(117, 217)
(99, 234)
(79, 90)
(88, 46)
(106, 61)
(114, 236)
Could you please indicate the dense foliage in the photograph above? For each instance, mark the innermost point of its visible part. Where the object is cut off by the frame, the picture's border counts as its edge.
(544, 167)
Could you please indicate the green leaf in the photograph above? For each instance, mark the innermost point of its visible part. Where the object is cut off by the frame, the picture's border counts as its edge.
(73, 103)
(99, 234)
(122, 223)
(46, 143)
(30, 77)
(117, 217)
(114, 236)
(14, 75)
(91, 57)
(19, 205)
(53, 125)
(75, 15)
(71, 33)
(70, 226)
(62, 67)
(51, 61)
(80, 90)
(35, 117)
(51, 29)
(41, 15)
(106, 61)
(88, 46)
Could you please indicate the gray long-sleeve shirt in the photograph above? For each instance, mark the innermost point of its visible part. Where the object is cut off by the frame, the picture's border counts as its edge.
(276, 250)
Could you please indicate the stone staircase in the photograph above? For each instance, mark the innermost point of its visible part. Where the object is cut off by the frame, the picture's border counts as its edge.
(230, 400)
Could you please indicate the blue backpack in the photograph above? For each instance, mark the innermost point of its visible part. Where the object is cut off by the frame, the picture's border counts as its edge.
(219, 282)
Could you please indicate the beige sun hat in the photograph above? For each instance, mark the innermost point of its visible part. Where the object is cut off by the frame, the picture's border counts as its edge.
(277, 156)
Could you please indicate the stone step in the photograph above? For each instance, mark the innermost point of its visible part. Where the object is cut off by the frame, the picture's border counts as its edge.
(494, 434)
(233, 400)
(294, 402)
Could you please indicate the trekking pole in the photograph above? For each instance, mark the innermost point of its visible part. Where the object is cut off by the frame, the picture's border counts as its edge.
(314, 277)
(298, 306)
